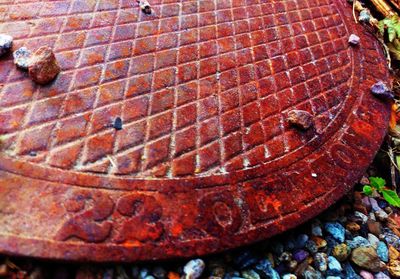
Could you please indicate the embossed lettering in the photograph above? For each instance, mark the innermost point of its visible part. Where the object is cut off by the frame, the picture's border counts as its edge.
(343, 156)
(142, 214)
(219, 214)
(90, 209)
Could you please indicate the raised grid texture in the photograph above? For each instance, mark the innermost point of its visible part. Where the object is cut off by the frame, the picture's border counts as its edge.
(202, 86)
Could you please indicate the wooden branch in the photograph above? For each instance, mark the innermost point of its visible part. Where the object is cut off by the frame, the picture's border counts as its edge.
(384, 8)
(395, 3)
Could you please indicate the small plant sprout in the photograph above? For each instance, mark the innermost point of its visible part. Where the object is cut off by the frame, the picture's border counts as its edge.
(378, 184)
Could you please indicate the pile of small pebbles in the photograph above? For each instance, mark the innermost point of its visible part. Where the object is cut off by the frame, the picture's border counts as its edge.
(359, 238)
(41, 65)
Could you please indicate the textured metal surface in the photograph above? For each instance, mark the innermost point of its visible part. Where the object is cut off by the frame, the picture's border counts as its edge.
(206, 159)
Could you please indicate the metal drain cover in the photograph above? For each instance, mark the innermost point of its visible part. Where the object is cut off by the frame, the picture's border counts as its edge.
(205, 159)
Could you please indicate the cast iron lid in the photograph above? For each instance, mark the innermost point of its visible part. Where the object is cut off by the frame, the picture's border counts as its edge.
(205, 159)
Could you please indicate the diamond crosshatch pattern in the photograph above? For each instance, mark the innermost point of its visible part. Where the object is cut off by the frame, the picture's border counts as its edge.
(202, 86)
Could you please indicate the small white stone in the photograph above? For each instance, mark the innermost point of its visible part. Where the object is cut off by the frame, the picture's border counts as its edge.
(5, 43)
(145, 6)
(381, 215)
(194, 268)
(373, 240)
(289, 276)
(22, 58)
(354, 40)
(362, 216)
(314, 174)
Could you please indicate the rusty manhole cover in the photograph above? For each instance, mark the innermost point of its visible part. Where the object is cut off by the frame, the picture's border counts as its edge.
(205, 159)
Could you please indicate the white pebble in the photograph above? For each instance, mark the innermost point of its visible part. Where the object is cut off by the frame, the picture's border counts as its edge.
(381, 215)
(373, 240)
(22, 58)
(354, 40)
(5, 43)
(362, 216)
(194, 268)
(289, 276)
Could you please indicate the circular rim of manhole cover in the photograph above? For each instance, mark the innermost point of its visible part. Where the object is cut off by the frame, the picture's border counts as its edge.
(102, 205)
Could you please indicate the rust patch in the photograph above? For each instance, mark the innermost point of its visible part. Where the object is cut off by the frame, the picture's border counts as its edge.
(205, 159)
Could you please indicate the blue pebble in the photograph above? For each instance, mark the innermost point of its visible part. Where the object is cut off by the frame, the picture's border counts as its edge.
(300, 255)
(311, 246)
(364, 16)
(358, 241)
(300, 241)
(382, 251)
(316, 229)
(382, 203)
(391, 238)
(350, 273)
(331, 242)
(334, 273)
(336, 230)
(282, 268)
(333, 264)
(265, 269)
(381, 275)
(348, 235)
(312, 274)
(290, 244)
(277, 248)
(245, 260)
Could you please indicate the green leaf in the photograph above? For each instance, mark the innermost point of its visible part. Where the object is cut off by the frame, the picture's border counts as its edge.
(381, 26)
(396, 27)
(377, 182)
(391, 197)
(392, 34)
(367, 190)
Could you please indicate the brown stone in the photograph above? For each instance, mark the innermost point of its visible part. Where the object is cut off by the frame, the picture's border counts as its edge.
(43, 66)
(393, 222)
(394, 268)
(319, 241)
(301, 267)
(300, 119)
(374, 227)
(341, 252)
(366, 257)
(353, 226)
(393, 253)
(3, 270)
(361, 208)
(205, 159)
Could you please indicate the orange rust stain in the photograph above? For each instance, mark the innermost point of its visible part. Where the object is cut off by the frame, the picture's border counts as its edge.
(74, 23)
(176, 230)
(173, 275)
(94, 58)
(393, 116)
(119, 65)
